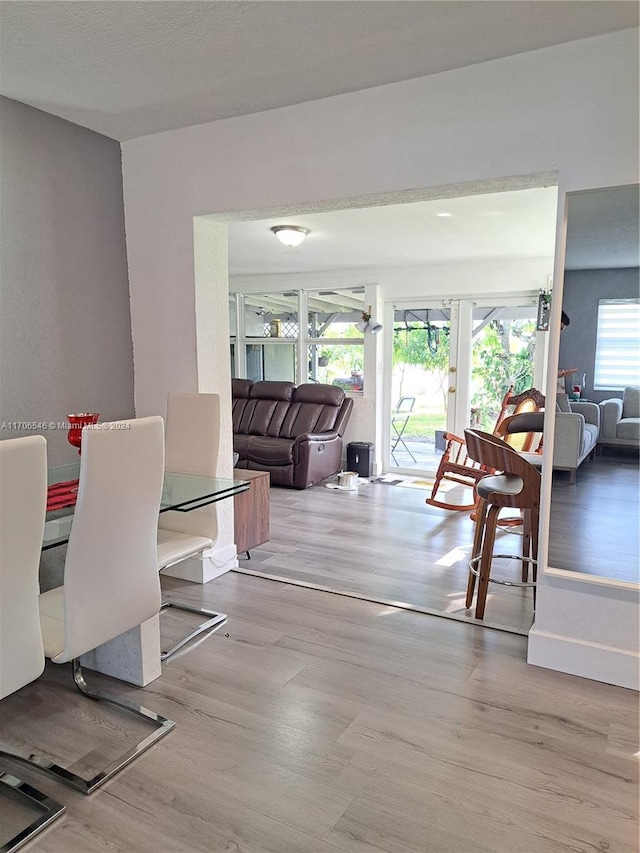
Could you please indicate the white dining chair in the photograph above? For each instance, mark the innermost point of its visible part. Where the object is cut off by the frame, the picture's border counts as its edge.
(23, 498)
(192, 442)
(111, 581)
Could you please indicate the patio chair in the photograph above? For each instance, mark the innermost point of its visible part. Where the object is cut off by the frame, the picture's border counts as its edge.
(457, 467)
(399, 422)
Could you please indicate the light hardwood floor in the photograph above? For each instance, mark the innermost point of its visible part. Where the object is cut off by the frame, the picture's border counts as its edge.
(595, 525)
(384, 543)
(322, 723)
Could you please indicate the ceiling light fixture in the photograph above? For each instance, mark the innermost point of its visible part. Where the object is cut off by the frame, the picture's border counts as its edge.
(444, 213)
(368, 324)
(290, 235)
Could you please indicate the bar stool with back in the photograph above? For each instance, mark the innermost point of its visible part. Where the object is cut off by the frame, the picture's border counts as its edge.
(517, 486)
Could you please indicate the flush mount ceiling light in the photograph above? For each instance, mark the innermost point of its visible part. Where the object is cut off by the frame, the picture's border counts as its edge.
(290, 235)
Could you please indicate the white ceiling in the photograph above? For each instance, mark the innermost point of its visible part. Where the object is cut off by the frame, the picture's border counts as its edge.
(603, 232)
(518, 224)
(126, 68)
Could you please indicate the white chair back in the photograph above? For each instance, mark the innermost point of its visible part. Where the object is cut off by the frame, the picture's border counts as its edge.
(23, 501)
(192, 443)
(111, 581)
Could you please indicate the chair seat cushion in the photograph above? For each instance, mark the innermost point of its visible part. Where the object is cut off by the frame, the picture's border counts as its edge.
(174, 547)
(499, 484)
(629, 429)
(271, 451)
(51, 605)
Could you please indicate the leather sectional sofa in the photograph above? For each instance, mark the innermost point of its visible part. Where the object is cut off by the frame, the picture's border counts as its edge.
(293, 432)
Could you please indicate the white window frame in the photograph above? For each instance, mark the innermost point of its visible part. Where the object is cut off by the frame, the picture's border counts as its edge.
(301, 342)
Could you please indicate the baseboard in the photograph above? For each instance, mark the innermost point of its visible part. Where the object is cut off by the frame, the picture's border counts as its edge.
(588, 660)
(206, 566)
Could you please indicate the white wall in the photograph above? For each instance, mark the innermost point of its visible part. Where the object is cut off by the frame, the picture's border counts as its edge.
(570, 109)
(467, 278)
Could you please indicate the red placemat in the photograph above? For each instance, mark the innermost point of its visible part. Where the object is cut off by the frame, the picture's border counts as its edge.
(61, 495)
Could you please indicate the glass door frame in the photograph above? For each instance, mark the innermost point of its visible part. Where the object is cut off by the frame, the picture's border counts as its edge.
(460, 348)
(454, 374)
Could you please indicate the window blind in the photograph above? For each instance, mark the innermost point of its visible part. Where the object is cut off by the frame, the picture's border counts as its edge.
(617, 344)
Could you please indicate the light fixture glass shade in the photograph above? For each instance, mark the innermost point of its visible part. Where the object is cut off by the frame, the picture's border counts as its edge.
(290, 235)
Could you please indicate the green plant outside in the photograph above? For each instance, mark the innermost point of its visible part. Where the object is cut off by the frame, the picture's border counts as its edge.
(502, 355)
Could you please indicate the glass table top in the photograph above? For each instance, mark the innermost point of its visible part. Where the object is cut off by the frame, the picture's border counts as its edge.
(180, 492)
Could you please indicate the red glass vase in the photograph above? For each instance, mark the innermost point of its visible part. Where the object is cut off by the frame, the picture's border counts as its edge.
(76, 423)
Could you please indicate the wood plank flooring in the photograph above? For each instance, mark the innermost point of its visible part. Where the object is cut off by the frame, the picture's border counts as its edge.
(384, 543)
(595, 525)
(315, 723)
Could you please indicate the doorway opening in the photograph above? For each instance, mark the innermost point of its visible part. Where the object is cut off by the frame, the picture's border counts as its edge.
(451, 368)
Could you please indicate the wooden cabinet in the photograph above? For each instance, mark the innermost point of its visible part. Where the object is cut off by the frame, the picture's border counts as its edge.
(251, 510)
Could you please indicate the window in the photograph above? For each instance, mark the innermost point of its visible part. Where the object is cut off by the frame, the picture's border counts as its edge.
(336, 347)
(269, 341)
(617, 344)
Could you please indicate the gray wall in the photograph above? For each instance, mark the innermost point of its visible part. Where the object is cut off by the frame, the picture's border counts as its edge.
(582, 290)
(65, 322)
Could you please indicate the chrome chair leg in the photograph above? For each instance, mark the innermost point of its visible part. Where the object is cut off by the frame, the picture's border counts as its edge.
(162, 726)
(209, 626)
(51, 810)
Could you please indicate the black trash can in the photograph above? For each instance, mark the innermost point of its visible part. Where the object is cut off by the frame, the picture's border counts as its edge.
(360, 458)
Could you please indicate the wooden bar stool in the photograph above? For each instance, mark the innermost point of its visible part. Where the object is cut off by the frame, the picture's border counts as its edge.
(517, 486)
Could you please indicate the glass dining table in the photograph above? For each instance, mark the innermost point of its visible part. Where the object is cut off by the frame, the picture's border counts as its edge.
(180, 493)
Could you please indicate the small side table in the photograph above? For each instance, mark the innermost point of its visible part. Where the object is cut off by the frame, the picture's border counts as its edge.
(251, 510)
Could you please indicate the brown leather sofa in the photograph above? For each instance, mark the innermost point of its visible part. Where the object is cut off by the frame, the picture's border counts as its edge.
(294, 433)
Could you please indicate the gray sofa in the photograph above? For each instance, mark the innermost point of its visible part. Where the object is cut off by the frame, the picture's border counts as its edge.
(620, 420)
(576, 437)
(576, 433)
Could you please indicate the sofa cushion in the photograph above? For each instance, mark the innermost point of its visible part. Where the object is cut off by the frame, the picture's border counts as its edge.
(240, 443)
(272, 391)
(589, 438)
(326, 395)
(270, 451)
(630, 403)
(315, 409)
(240, 388)
(308, 418)
(562, 403)
(264, 411)
(264, 417)
(629, 429)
